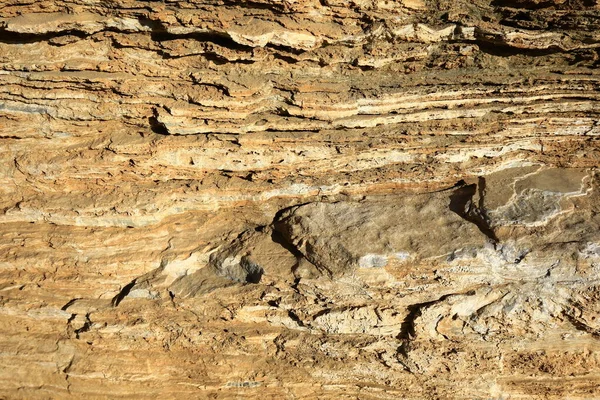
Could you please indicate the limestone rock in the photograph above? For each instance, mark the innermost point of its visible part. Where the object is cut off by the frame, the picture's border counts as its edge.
(299, 199)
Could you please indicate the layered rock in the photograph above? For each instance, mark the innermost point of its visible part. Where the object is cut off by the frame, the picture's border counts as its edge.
(299, 199)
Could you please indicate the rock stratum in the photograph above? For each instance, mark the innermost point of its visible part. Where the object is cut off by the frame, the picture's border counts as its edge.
(300, 199)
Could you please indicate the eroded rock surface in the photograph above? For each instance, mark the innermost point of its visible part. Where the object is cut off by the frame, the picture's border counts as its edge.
(299, 199)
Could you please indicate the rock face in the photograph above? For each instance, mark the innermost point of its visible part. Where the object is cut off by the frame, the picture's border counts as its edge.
(300, 199)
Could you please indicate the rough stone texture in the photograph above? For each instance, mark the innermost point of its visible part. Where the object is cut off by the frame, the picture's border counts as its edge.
(300, 199)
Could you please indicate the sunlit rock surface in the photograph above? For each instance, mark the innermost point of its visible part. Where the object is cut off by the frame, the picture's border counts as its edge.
(300, 199)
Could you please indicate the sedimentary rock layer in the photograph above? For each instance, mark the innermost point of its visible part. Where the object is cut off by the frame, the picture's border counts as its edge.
(299, 199)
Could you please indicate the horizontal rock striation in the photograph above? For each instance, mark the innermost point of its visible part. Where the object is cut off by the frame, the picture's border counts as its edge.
(300, 199)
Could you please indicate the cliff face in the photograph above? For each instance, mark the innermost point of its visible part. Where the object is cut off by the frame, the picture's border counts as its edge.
(299, 199)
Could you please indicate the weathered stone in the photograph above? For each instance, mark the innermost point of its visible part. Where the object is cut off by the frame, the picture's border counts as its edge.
(299, 199)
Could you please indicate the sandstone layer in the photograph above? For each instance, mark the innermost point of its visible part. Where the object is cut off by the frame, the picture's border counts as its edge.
(300, 199)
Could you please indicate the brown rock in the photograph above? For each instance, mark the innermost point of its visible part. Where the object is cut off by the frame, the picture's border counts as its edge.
(299, 199)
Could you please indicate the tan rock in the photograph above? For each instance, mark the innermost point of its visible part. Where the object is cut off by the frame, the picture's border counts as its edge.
(299, 199)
